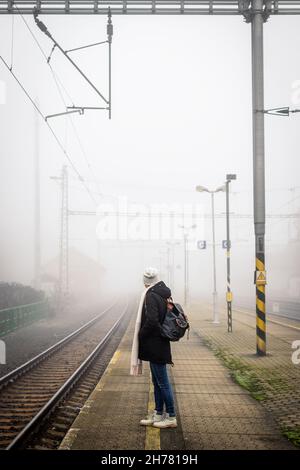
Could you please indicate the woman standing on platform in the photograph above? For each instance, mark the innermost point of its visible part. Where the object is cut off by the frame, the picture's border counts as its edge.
(149, 345)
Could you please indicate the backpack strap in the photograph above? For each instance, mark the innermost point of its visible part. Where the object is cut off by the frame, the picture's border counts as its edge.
(160, 321)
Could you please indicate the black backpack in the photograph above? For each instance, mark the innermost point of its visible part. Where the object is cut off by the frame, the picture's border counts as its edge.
(175, 323)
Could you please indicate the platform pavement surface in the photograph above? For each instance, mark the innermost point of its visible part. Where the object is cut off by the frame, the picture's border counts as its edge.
(276, 374)
(213, 411)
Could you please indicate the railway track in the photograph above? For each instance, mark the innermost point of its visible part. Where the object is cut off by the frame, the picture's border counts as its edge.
(289, 309)
(280, 323)
(32, 393)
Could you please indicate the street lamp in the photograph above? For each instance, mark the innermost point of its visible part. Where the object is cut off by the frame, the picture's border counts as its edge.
(202, 189)
(229, 178)
(186, 259)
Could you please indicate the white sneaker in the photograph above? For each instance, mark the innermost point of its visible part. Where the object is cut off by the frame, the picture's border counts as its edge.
(152, 418)
(167, 422)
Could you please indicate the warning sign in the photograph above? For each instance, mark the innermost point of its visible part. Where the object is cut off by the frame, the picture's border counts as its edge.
(261, 278)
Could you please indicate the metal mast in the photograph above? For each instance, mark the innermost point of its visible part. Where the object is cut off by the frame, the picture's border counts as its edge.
(64, 237)
(257, 21)
(37, 211)
(257, 13)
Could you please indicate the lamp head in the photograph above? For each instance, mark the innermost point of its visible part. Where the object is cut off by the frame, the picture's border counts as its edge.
(221, 188)
(201, 189)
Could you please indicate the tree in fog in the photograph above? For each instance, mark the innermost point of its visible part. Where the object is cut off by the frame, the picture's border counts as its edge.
(14, 294)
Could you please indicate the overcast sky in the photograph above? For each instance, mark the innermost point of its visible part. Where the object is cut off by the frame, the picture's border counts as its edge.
(181, 116)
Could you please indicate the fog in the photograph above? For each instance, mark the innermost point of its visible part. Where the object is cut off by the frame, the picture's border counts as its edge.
(181, 117)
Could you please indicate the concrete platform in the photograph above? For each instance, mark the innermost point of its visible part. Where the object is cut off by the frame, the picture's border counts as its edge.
(213, 412)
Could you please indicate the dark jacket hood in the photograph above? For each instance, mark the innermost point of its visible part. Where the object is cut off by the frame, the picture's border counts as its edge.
(161, 289)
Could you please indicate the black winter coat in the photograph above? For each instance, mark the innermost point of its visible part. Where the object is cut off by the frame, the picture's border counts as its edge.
(152, 346)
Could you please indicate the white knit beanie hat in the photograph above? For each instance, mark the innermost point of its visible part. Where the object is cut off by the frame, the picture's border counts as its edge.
(150, 276)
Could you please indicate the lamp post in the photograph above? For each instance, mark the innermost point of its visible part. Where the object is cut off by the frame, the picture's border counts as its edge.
(229, 178)
(186, 259)
(202, 189)
(63, 286)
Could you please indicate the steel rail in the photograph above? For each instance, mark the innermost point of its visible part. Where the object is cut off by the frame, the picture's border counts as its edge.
(286, 325)
(143, 7)
(16, 373)
(49, 407)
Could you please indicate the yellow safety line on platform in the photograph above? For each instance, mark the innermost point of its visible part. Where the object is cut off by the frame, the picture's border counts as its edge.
(271, 321)
(115, 357)
(152, 441)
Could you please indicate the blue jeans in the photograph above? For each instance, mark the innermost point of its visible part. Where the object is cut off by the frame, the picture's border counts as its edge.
(162, 389)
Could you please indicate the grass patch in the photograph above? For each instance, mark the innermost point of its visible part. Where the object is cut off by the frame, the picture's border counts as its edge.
(276, 382)
(242, 374)
(293, 435)
(249, 381)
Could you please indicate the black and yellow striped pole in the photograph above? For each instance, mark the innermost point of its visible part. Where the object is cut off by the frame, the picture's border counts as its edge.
(257, 16)
(229, 178)
(260, 281)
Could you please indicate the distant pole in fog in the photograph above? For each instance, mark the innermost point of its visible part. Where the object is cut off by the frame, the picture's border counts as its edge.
(163, 267)
(172, 265)
(186, 259)
(63, 282)
(169, 265)
(64, 234)
(37, 209)
(229, 178)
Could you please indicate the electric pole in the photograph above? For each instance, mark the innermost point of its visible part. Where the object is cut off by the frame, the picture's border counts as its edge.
(63, 279)
(186, 231)
(229, 178)
(257, 18)
(37, 209)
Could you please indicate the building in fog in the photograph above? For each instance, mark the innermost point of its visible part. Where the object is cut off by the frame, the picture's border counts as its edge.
(85, 275)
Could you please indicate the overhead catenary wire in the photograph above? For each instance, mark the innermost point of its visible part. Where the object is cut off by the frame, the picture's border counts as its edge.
(50, 128)
(77, 135)
(44, 29)
(290, 201)
(273, 224)
(58, 84)
(55, 76)
(176, 189)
